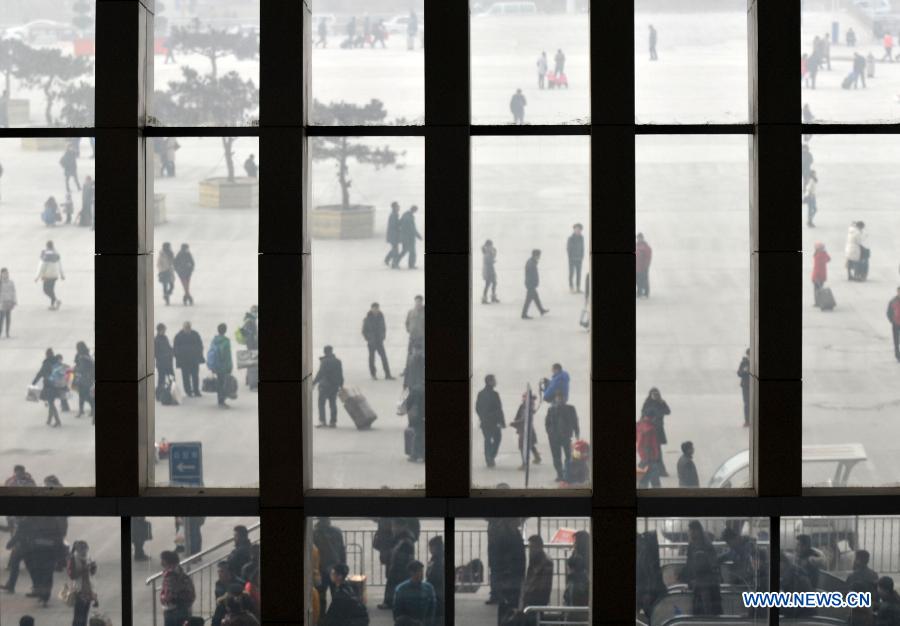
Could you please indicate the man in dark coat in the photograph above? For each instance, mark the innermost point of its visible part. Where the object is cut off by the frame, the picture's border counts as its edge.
(575, 252)
(385, 538)
(329, 541)
(408, 236)
(743, 373)
(508, 566)
(893, 315)
(69, 162)
(188, 347)
(862, 575)
(163, 351)
(539, 577)
(250, 167)
(85, 218)
(490, 416)
(330, 379)
(687, 471)
(346, 608)
(392, 235)
(517, 107)
(374, 332)
(561, 424)
(402, 554)
(140, 534)
(242, 552)
(888, 603)
(532, 280)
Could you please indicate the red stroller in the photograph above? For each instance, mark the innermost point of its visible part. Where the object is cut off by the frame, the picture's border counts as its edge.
(555, 81)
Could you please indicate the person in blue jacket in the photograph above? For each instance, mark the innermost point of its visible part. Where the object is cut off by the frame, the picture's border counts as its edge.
(559, 382)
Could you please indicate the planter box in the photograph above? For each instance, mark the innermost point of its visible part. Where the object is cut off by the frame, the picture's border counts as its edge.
(334, 222)
(18, 112)
(159, 209)
(57, 144)
(218, 193)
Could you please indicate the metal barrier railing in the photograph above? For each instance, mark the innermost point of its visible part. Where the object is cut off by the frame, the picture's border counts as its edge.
(880, 536)
(203, 577)
(561, 615)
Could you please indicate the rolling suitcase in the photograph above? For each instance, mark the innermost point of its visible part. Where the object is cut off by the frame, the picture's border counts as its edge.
(358, 408)
(847, 81)
(825, 299)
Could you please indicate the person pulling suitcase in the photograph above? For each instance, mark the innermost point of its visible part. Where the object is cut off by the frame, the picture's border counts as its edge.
(330, 379)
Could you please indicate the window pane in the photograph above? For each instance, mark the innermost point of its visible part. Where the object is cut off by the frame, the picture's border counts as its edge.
(47, 63)
(849, 358)
(91, 550)
(220, 555)
(206, 320)
(700, 567)
(368, 62)
(851, 553)
(530, 62)
(205, 64)
(693, 310)
(690, 63)
(846, 62)
(47, 300)
(366, 252)
(354, 566)
(530, 219)
(523, 564)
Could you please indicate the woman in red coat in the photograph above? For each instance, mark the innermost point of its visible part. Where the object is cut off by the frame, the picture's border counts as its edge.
(820, 269)
(648, 452)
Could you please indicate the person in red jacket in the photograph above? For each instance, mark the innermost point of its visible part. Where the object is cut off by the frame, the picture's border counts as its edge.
(893, 315)
(820, 269)
(642, 254)
(648, 451)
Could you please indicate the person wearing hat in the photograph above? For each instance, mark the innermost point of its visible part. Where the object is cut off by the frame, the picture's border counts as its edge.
(330, 379)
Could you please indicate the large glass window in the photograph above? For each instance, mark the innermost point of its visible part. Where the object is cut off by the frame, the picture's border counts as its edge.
(205, 64)
(368, 312)
(205, 316)
(530, 312)
(692, 254)
(47, 310)
(529, 62)
(368, 62)
(700, 567)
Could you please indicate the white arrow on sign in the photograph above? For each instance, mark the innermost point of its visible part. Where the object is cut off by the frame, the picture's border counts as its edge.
(181, 467)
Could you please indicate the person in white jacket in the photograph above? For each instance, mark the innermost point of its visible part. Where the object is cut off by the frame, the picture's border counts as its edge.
(7, 300)
(853, 250)
(49, 271)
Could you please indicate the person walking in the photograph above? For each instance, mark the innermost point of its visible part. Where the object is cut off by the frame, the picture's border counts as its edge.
(853, 250)
(489, 272)
(164, 354)
(517, 107)
(69, 163)
(415, 324)
(403, 552)
(809, 199)
(8, 300)
(826, 51)
(222, 364)
(330, 379)
(188, 349)
(45, 541)
(408, 236)
(561, 424)
(489, 410)
(171, 147)
(509, 565)
(643, 254)
(49, 271)
(743, 372)
(249, 330)
(79, 569)
(141, 530)
(820, 270)
(250, 167)
(322, 32)
(888, 43)
(652, 43)
(165, 267)
(177, 592)
(86, 215)
(68, 208)
(84, 377)
(656, 408)
(184, 267)
(559, 63)
(850, 37)
(412, 29)
(532, 280)
(859, 70)
(575, 252)
(893, 315)
(542, 67)
(806, 162)
(374, 332)
(519, 423)
(392, 236)
(48, 374)
(414, 384)
(687, 471)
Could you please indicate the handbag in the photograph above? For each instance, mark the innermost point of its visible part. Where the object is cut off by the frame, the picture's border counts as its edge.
(401, 405)
(247, 359)
(208, 385)
(68, 595)
(33, 394)
(585, 320)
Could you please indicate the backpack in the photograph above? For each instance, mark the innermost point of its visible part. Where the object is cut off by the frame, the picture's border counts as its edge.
(58, 376)
(212, 356)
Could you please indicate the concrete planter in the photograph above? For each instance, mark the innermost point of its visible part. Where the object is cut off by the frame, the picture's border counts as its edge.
(334, 222)
(18, 111)
(159, 209)
(57, 144)
(218, 193)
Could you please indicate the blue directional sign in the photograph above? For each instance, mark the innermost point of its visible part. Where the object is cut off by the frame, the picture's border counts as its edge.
(186, 464)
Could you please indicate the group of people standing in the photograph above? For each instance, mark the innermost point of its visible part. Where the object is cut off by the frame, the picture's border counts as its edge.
(169, 264)
(369, 34)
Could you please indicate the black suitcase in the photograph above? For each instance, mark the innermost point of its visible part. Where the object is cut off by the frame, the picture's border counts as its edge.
(847, 81)
(409, 438)
(358, 408)
(208, 385)
(231, 387)
(825, 299)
